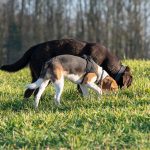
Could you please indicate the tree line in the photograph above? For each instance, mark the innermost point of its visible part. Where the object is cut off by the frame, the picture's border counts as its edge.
(120, 25)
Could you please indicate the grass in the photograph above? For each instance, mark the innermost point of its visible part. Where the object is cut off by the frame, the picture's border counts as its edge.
(117, 121)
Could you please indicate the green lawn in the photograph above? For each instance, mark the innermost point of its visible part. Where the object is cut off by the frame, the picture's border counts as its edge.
(116, 121)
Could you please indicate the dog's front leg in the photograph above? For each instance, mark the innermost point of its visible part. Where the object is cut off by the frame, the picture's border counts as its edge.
(94, 87)
(84, 90)
(41, 90)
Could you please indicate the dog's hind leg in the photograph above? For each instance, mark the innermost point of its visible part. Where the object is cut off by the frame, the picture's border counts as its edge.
(37, 90)
(28, 92)
(41, 90)
(84, 89)
(58, 84)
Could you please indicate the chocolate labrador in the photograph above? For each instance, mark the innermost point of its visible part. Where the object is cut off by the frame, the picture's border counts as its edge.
(37, 55)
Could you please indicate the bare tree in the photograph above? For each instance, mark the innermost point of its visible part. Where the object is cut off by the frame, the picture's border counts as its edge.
(120, 25)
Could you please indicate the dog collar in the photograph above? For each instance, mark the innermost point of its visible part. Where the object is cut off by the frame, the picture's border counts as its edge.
(103, 75)
(99, 80)
(122, 69)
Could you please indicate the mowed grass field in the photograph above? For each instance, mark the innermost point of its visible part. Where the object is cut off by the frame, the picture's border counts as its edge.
(116, 121)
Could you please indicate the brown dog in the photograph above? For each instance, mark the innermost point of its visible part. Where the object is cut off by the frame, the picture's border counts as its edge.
(37, 55)
(84, 72)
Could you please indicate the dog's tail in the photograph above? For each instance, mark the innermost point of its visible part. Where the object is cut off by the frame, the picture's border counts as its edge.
(36, 84)
(20, 64)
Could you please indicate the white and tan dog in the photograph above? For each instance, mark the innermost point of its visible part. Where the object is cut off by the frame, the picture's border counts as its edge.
(84, 72)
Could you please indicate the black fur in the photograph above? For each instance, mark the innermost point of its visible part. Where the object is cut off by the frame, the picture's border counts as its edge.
(37, 55)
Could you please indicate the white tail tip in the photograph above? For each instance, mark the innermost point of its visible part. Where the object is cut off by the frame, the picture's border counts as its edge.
(35, 85)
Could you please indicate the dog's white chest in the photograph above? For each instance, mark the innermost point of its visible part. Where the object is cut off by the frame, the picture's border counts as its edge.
(74, 78)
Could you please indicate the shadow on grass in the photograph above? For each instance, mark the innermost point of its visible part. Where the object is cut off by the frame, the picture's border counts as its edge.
(13, 102)
(16, 106)
(71, 100)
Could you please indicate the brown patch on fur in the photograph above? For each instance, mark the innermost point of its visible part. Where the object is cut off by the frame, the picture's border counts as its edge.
(89, 77)
(58, 70)
(109, 84)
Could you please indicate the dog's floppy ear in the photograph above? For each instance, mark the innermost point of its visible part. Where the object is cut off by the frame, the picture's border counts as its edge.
(127, 78)
(114, 85)
(109, 84)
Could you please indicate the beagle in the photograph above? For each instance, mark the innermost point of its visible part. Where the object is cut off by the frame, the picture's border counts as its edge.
(82, 71)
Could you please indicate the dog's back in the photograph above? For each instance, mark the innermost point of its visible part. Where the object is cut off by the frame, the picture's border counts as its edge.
(72, 67)
(71, 64)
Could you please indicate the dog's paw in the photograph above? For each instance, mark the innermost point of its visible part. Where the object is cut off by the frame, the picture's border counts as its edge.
(57, 103)
(35, 105)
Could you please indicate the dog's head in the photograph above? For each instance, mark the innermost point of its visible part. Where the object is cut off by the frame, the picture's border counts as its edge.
(126, 79)
(108, 84)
